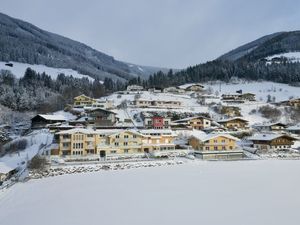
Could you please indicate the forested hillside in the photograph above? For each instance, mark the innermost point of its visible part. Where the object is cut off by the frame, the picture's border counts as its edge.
(26, 43)
(39, 92)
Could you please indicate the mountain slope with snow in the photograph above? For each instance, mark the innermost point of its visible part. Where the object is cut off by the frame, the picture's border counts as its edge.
(18, 69)
(25, 43)
(277, 43)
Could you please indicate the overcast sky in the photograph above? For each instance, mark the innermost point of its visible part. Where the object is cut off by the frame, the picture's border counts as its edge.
(166, 33)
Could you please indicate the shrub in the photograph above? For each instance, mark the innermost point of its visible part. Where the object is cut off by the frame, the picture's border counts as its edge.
(15, 146)
(37, 163)
(270, 112)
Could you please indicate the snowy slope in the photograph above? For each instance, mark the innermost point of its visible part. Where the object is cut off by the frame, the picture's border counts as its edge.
(291, 56)
(262, 89)
(210, 193)
(19, 69)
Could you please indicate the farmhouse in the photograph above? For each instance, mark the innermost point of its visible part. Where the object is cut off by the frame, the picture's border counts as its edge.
(269, 141)
(42, 120)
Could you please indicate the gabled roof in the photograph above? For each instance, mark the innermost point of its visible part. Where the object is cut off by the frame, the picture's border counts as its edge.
(269, 137)
(100, 109)
(230, 119)
(205, 137)
(190, 118)
(129, 131)
(83, 96)
(51, 117)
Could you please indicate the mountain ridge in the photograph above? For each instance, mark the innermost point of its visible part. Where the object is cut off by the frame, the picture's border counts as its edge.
(24, 42)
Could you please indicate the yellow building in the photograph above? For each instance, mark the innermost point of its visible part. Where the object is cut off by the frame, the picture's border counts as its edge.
(216, 146)
(83, 100)
(234, 123)
(83, 142)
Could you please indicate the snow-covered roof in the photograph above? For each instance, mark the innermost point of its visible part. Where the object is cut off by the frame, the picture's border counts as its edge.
(267, 137)
(157, 131)
(230, 119)
(90, 131)
(184, 86)
(4, 168)
(190, 118)
(295, 127)
(205, 137)
(52, 117)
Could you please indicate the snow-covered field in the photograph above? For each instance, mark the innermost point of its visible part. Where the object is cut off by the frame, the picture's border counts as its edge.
(262, 89)
(19, 69)
(236, 193)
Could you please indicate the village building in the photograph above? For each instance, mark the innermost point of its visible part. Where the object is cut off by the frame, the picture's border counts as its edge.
(84, 142)
(216, 146)
(135, 88)
(174, 90)
(43, 120)
(294, 102)
(230, 111)
(156, 121)
(155, 90)
(265, 142)
(236, 123)
(97, 118)
(238, 98)
(265, 127)
(83, 101)
(144, 103)
(192, 87)
(196, 122)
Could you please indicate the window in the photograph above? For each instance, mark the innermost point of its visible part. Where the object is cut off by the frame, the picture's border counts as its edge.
(117, 136)
(65, 145)
(125, 143)
(215, 141)
(167, 122)
(116, 143)
(215, 148)
(223, 148)
(207, 148)
(66, 136)
(126, 136)
(223, 141)
(113, 152)
(89, 135)
(126, 150)
(134, 136)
